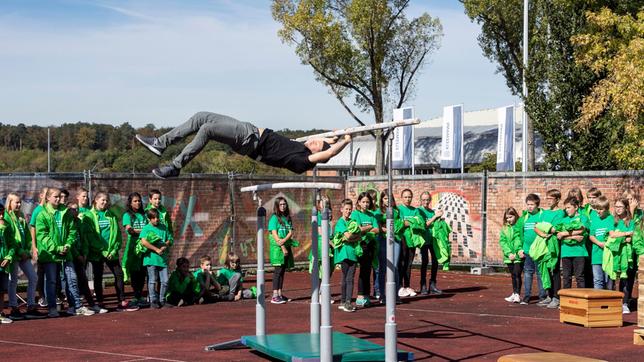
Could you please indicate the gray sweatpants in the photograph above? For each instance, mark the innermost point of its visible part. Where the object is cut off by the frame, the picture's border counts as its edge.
(242, 137)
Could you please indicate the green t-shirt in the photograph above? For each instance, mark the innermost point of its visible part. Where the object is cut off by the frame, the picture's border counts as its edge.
(224, 275)
(599, 228)
(160, 232)
(180, 284)
(528, 222)
(622, 227)
(553, 216)
(34, 216)
(104, 227)
(345, 251)
(577, 249)
(276, 253)
(137, 223)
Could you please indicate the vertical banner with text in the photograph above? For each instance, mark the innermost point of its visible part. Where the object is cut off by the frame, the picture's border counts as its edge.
(505, 142)
(452, 139)
(402, 151)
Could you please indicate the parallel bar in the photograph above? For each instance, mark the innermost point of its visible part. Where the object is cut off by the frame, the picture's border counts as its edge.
(361, 129)
(390, 300)
(260, 309)
(315, 272)
(326, 330)
(293, 185)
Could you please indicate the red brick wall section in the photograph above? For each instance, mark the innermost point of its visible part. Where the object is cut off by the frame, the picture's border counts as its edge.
(201, 204)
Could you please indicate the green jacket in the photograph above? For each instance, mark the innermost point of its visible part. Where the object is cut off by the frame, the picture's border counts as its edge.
(545, 253)
(18, 229)
(99, 248)
(618, 254)
(7, 246)
(181, 286)
(510, 242)
(50, 240)
(345, 250)
(157, 236)
(638, 237)
(132, 261)
(442, 246)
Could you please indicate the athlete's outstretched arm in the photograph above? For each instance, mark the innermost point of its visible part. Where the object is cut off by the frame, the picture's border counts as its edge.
(335, 148)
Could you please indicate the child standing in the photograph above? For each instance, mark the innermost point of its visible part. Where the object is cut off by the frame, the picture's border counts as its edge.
(527, 222)
(280, 229)
(510, 242)
(429, 215)
(156, 238)
(365, 249)
(408, 251)
(381, 216)
(34, 249)
(601, 222)
(573, 230)
(55, 235)
(623, 228)
(100, 229)
(230, 279)
(22, 259)
(155, 203)
(7, 251)
(133, 221)
(207, 286)
(345, 253)
(182, 285)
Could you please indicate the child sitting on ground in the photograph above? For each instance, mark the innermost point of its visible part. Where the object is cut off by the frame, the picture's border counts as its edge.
(182, 285)
(230, 279)
(207, 286)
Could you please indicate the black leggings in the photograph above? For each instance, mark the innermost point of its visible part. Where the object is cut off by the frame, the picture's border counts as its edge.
(83, 284)
(424, 257)
(137, 279)
(348, 274)
(278, 277)
(407, 255)
(364, 277)
(515, 270)
(115, 268)
(555, 278)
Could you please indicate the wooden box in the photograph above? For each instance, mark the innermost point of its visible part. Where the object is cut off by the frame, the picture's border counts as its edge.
(638, 337)
(591, 307)
(545, 357)
(641, 262)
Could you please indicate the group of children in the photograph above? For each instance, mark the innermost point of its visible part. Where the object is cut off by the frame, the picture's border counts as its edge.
(588, 241)
(358, 240)
(65, 236)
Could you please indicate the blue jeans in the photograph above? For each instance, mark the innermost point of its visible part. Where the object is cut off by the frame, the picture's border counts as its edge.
(68, 273)
(28, 269)
(599, 277)
(51, 274)
(529, 269)
(157, 297)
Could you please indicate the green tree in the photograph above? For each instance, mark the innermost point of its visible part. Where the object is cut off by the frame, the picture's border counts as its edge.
(613, 47)
(556, 83)
(366, 51)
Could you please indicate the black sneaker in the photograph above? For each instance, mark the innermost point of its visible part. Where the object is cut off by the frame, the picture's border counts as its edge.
(152, 144)
(35, 314)
(525, 301)
(16, 315)
(155, 305)
(166, 171)
(423, 290)
(433, 289)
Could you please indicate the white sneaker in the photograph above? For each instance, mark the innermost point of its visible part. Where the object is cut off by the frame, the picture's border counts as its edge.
(98, 310)
(4, 319)
(411, 292)
(84, 311)
(625, 309)
(510, 298)
(517, 298)
(402, 292)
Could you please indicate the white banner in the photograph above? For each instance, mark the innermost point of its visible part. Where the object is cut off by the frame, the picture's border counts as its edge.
(402, 151)
(505, 139)
(452, 139)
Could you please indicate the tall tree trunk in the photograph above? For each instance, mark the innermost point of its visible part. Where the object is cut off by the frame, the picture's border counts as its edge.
(380, 141)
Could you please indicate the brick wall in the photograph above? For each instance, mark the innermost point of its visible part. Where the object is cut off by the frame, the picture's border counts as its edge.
(201, 204)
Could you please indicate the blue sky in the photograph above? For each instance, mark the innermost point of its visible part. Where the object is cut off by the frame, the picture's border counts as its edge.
(160, 61)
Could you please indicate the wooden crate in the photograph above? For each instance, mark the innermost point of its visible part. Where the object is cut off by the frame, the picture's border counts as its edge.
(591, 307)
(545, 357)
(638, 337)
(641, 263)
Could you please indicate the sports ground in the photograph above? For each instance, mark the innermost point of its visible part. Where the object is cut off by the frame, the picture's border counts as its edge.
(469, 322)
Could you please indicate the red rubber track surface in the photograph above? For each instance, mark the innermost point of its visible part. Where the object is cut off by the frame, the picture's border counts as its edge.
(469, 322)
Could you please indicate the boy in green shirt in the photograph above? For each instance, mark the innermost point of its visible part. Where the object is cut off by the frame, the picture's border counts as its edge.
(601, 222)
(572, 231)
(156, 239)
(182, 285)
(207, 286)
(526, 225)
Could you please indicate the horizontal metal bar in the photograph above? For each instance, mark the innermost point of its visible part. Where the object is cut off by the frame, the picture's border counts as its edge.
(361, 129)
(293, 185)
